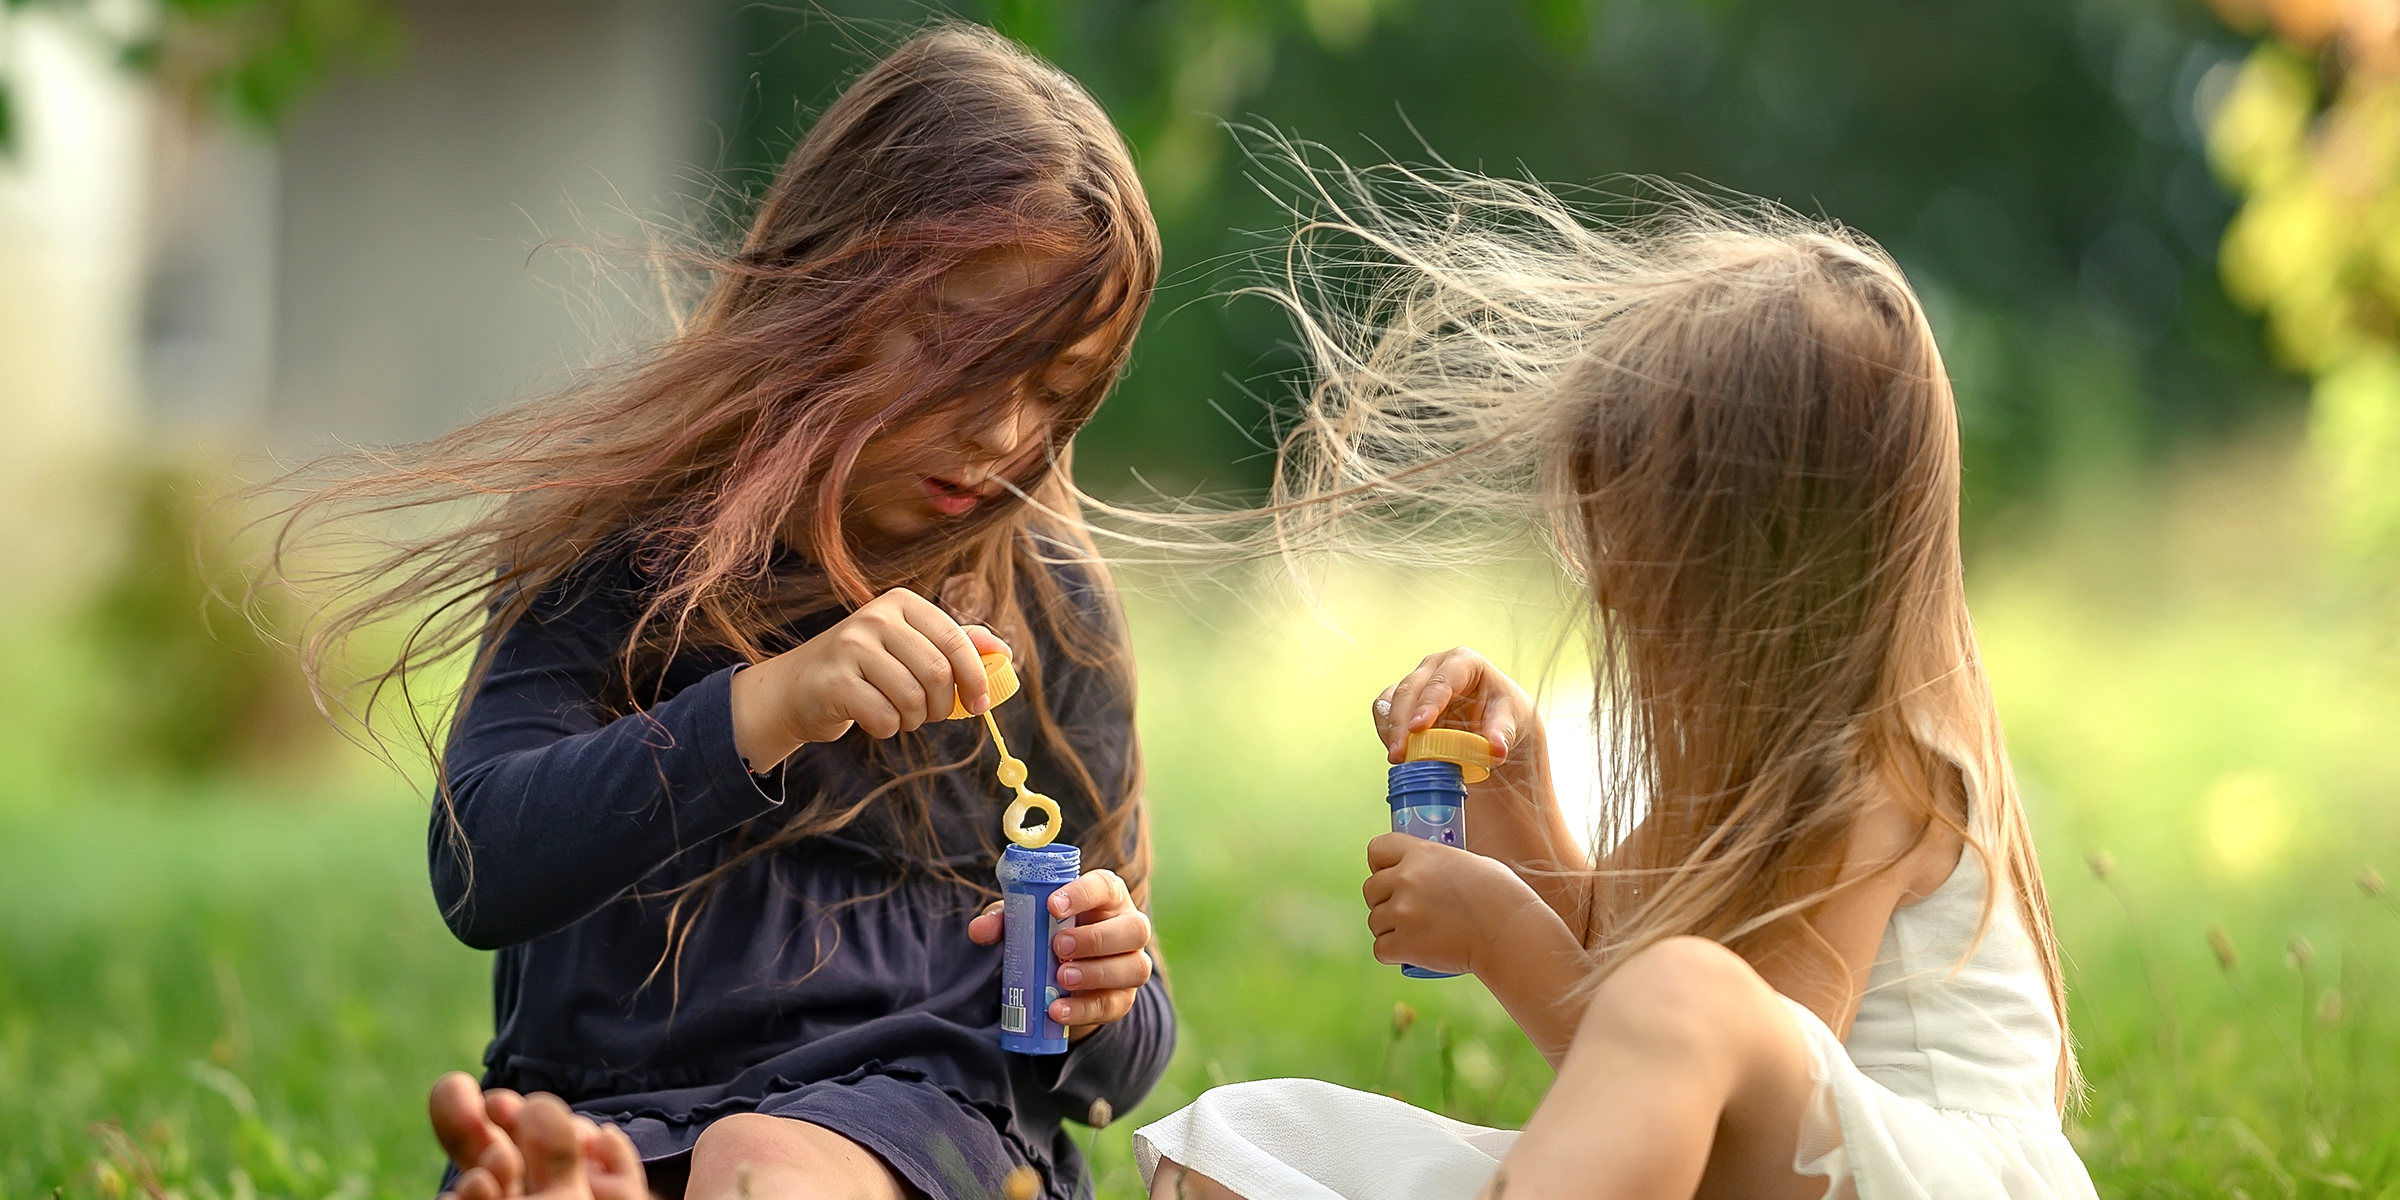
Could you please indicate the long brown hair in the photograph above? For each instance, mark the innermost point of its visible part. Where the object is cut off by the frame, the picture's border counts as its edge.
(1733, 426)
(695, 457)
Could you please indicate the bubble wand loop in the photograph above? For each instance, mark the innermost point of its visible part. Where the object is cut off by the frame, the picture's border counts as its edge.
(1012, 775)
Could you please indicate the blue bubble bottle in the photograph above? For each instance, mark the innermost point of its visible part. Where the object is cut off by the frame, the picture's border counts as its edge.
(1428, 795)
(1028, 940)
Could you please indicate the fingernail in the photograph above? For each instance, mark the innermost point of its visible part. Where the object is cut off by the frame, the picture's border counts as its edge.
(1070, 976)
(1066, 944)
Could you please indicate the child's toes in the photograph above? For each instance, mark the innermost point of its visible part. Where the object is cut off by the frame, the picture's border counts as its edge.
(455, 1107)
(616, 1166)
(550, 1136)
(476, 1184)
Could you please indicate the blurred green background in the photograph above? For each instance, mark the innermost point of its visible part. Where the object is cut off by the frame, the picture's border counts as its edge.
(2160, 241)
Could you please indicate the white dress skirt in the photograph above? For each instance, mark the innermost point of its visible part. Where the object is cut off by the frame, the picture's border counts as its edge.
(1945, 1090)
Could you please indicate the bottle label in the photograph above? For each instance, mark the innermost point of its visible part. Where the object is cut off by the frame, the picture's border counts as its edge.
(1433, 822)
(1018, 953)
(1028, 972)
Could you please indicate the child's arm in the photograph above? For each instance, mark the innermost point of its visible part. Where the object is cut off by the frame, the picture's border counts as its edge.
(894, 665)
(1514, 815)
(1449, 909)
(559, 811)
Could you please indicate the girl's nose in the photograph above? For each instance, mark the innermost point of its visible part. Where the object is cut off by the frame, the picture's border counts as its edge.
(1003, 429)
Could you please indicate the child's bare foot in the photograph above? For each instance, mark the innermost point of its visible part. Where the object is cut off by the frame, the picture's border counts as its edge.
(508, 1145)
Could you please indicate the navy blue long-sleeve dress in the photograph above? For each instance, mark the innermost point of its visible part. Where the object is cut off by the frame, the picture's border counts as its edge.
(830, 980)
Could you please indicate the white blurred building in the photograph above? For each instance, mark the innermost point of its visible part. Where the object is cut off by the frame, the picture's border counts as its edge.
(372, 274)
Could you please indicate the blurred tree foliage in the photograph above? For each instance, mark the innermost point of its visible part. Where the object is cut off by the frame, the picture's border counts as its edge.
(2038, 165)
(190, 686)
(249, 59)
(2308, 129)
(187, 687)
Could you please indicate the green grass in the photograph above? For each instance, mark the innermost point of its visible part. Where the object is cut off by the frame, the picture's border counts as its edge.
(239, 997)
(226, 996)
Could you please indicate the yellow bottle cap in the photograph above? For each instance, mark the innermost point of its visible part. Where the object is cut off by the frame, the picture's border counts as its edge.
(998, 672)
(1469, 750)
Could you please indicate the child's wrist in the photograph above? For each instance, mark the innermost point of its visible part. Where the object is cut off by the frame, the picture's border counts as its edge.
(1527, 933)
(760, 715)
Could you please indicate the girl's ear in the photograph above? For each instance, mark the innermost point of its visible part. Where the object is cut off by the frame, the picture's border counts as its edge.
(967, 598)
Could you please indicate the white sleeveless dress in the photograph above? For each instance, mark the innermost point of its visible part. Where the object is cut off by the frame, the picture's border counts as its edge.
(1945, 1090)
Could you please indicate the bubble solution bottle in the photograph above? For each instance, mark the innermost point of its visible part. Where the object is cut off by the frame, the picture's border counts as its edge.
(1428, 795)
(1028, 962)
(1032, 868)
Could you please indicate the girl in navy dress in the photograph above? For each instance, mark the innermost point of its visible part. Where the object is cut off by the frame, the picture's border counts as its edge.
(700, 793)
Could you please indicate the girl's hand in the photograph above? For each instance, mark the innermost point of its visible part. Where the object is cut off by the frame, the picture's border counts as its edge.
(1443, 908)
(1103, 960)
(893, 665)
(1461, 689)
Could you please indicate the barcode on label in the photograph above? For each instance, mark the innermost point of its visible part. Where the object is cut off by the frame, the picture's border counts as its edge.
(1012, 1018)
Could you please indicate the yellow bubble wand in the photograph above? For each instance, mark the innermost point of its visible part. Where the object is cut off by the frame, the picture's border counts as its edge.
(1003, 680)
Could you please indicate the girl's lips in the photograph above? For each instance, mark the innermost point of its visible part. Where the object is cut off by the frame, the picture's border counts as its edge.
(948, 498)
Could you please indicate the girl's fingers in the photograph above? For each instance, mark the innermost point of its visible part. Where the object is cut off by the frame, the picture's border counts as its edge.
(959, 669)
(986, 929)
(927, 671)
(986, 642)
(1443, 683)
(1385, 850)
(1404, 702)
(1457, 688)
(1093, 1008)
(891, 699)
(1099, 974)
(1100, 894)
(1124, 933)
(1381, 713)
(1500, 729)
(1440, 688)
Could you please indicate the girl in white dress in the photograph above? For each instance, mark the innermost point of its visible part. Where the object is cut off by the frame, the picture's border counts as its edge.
(1816, 958)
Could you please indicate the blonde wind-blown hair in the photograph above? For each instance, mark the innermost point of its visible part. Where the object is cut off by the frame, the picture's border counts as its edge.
(1733, 427)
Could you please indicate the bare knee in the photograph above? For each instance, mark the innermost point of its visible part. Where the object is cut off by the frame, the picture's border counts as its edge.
(1686, 996)
(749, 1154)
(743, 1137)
(756, 1142)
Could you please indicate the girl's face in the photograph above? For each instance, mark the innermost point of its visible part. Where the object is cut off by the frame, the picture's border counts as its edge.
(945, 465)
